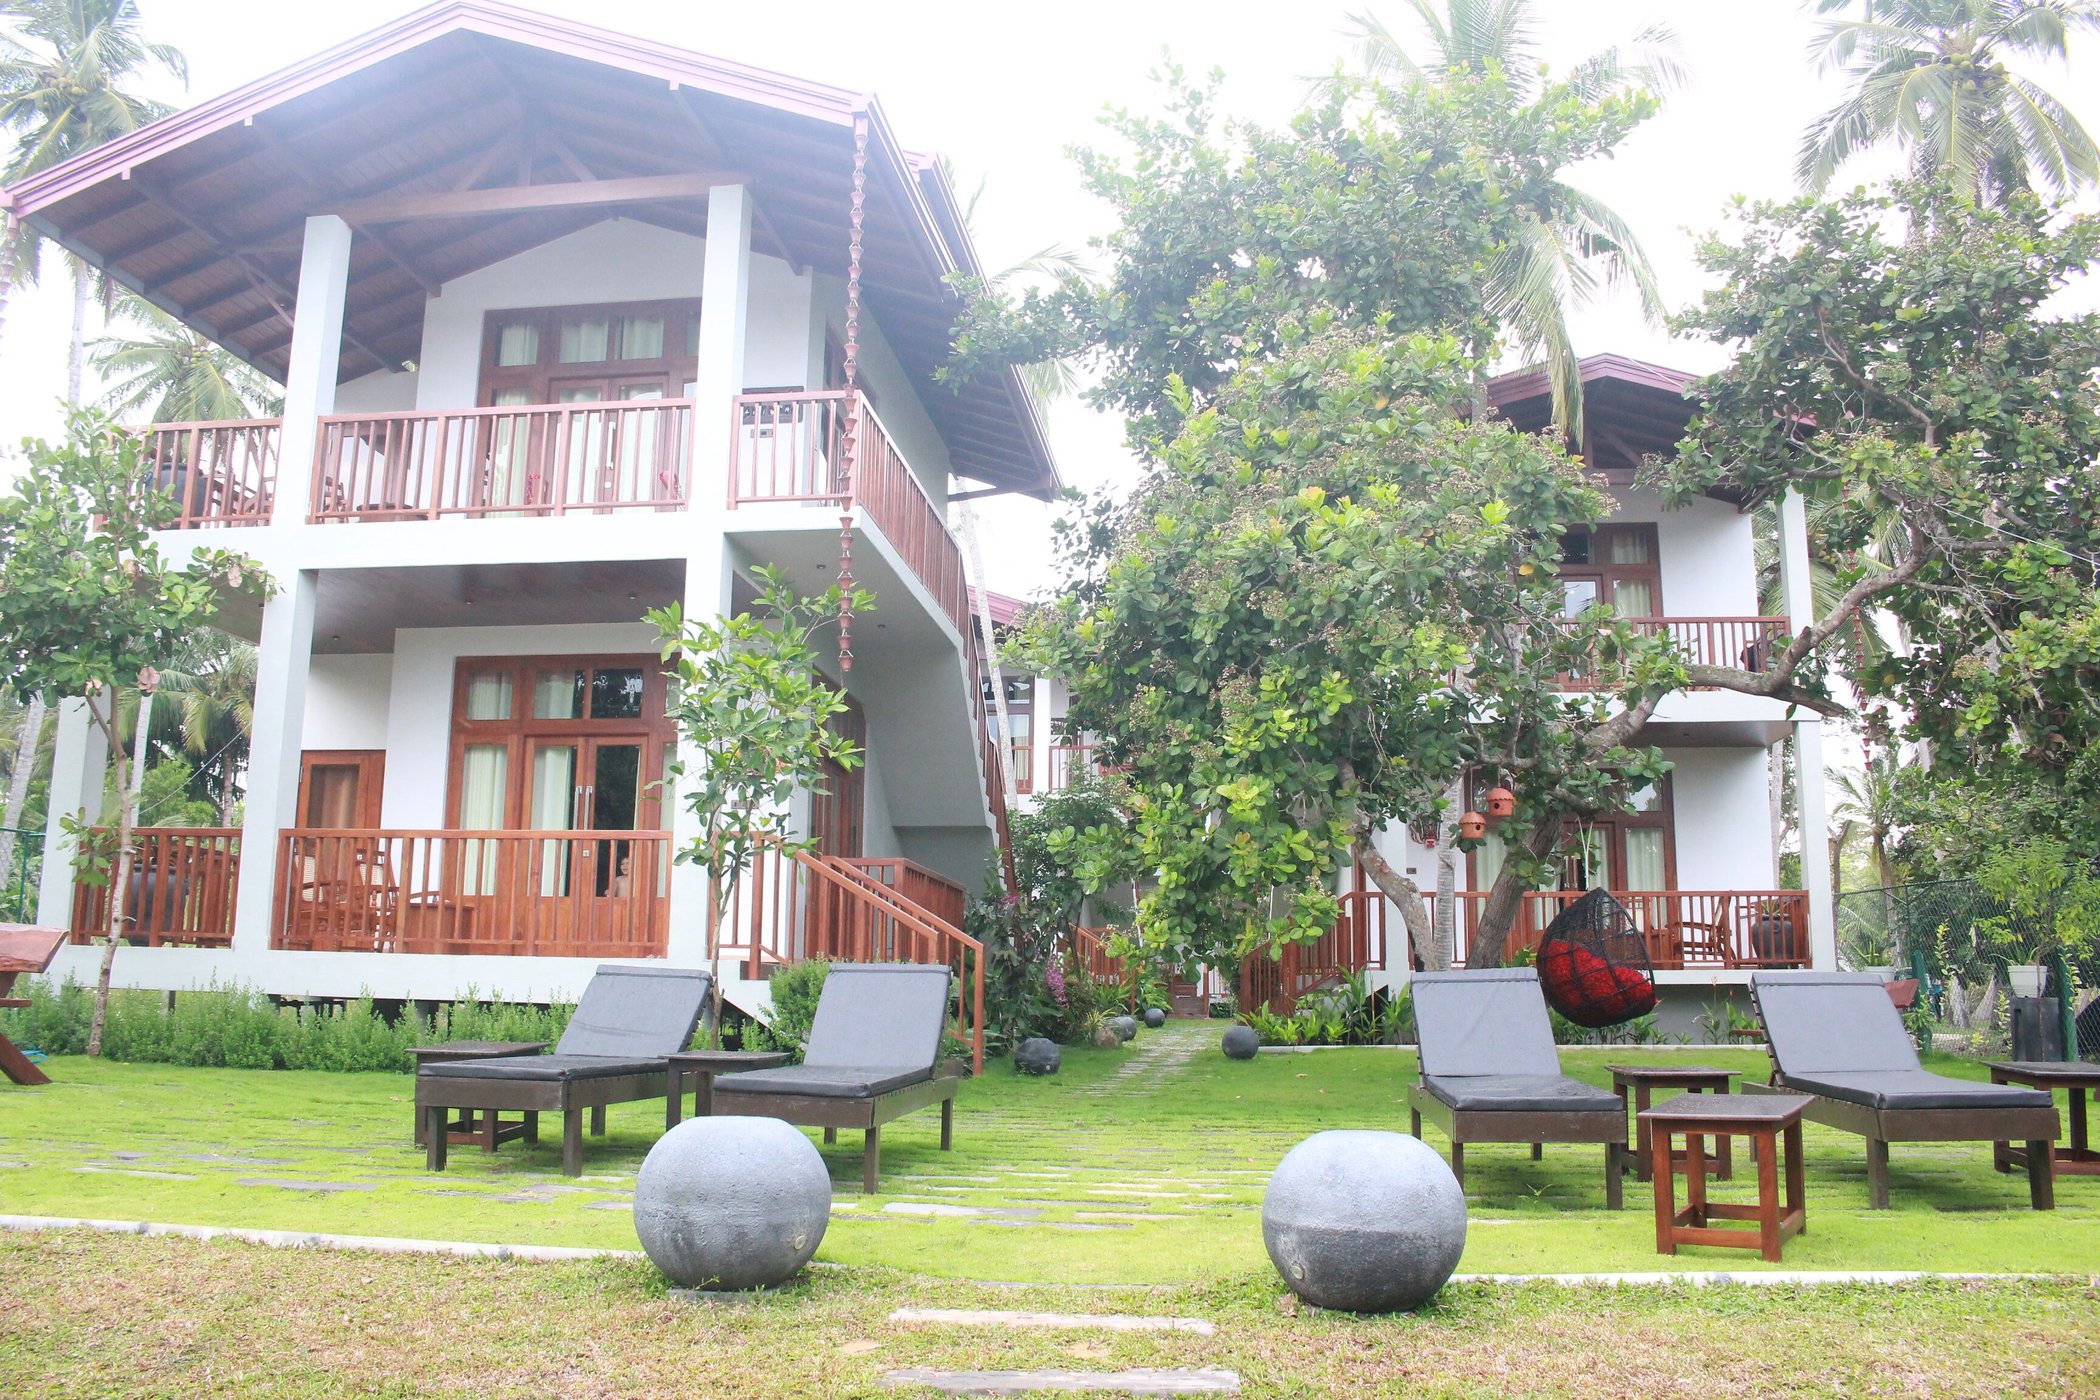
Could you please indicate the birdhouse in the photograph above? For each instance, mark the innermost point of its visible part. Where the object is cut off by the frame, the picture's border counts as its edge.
(1501, 803)
(1472, 826)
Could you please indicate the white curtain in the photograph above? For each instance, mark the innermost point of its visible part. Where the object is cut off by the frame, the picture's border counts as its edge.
(483, 784)
(553, 809)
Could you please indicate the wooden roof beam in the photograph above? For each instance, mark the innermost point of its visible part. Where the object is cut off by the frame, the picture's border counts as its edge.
(272, 287)
(513, 199)
(711, 150)
(322, 186)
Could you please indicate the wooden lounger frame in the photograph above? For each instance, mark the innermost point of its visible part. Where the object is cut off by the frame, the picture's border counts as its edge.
(832, 1112)
(2037, 1127)
(1535, 1126)
(438, 1095)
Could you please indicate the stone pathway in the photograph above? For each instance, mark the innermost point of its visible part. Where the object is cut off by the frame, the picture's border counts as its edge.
(1145, 1381)
(1157, 1056)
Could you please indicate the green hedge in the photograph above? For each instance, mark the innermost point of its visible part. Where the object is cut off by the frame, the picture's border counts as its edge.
(240, 1028)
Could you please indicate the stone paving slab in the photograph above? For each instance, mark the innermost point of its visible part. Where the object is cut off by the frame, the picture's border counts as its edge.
(1099, 1322)
(1146, 1382)
(283, 1184)
(99, 1170)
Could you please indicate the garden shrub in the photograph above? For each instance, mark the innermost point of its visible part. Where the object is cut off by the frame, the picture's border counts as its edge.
(795, 993)
(242, 1028)
(1351, 1013)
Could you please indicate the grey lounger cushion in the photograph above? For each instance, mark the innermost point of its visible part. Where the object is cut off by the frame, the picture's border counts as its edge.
(554, 1066)
(1916, 1088)
(1488, 1021)
(1838, 1034)
(629, 1011)
(878, 1027)
(816, 1079)
(1536, 1093)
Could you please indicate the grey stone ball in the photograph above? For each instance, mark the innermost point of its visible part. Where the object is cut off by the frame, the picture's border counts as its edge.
(1105, 1038)
(1363, 1221)
(1241, 1043)
(1154, 1017)
(730, 1203)
(1037, 1055)
(1125, 1027)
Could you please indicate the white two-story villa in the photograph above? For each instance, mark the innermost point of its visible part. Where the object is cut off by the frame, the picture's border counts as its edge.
(1697, 865)
(571, 325)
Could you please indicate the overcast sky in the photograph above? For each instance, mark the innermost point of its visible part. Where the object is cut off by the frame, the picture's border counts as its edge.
(1004, 89)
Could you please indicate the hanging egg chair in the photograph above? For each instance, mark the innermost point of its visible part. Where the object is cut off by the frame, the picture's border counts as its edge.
(1593, 964)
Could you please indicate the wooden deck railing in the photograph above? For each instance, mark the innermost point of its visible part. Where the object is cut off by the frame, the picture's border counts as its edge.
(1745, 642)
(183, 882)
(936, 894)
(1356, 943)
(793, 447)
(537, 459)
(582, 894)
(221, 473)
(1070, 764)
(792, 906)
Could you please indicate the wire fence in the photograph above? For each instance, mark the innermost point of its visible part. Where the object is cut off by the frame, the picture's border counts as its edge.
(1951, 931)
(18, 895)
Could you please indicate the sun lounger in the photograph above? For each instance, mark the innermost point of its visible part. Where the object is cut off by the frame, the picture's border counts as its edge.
(613, 1051)
(1490, 1072)
(1836, 1036)
(874, 1054)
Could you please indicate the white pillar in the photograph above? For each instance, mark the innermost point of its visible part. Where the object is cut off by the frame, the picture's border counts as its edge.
(725, 304)
(707, 584)
(79, 762)
(1795, 583)
(281, 666)
(316, 357)
(1039, 742)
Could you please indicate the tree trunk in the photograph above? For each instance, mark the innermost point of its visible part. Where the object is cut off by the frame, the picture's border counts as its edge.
(1445, 914)
(1506, 900)
(76, 351)
(131, 773)
(26, 744)
(1775, 796)
(1409, 900)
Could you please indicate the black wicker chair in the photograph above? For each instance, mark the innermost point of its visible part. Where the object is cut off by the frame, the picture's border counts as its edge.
(1593, 964)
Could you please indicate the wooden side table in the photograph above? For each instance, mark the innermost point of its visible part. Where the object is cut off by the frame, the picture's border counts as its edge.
(490, 1131)
(2078, 1158)
(23, 948)
(1692, 1079)
(703, 1066)
(1767, 1120)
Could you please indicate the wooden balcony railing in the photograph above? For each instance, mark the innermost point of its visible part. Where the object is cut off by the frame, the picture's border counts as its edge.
(220, 473)
(1070, 764)
(791, 906)
(538, 459)
(936, 894)
(1685, 930)
(793, 447)
(1746, 642)
(183, 881)
(579, 894)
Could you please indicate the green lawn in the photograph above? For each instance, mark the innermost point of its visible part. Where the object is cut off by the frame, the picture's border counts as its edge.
(91, 1315)
(1139, 1165)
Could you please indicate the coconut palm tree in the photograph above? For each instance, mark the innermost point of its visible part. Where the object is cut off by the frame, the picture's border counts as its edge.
(1931, 76)
(165, 372)
(1573, 236)
(66, 74)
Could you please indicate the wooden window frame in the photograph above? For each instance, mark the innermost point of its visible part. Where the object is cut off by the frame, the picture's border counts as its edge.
(653, 726)
(1616, 825)
(674, 368)
(1607, 575)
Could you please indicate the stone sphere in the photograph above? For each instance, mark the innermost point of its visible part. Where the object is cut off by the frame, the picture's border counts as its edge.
(1037, 1055)
(1105, 1037)
(1363, 1221)
(730, 1203)
(1241, 1043)
(1154, 1017)
(1125, 1027)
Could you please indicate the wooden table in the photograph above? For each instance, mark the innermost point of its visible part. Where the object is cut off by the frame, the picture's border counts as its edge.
(1692, 1079)
(23, 948)
(489, 1132)
(703, 1066)
(1766, 1119)
(2079, 1158)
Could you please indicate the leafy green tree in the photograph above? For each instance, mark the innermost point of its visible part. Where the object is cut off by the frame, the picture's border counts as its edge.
(1922, 387)
(66, 74)
(754, 718)
(1570, 236)
(89, 605)
(165, 372)
(1931, 76)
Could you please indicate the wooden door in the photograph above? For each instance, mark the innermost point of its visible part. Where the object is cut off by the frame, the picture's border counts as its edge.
(340, 788)
(588, 889)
